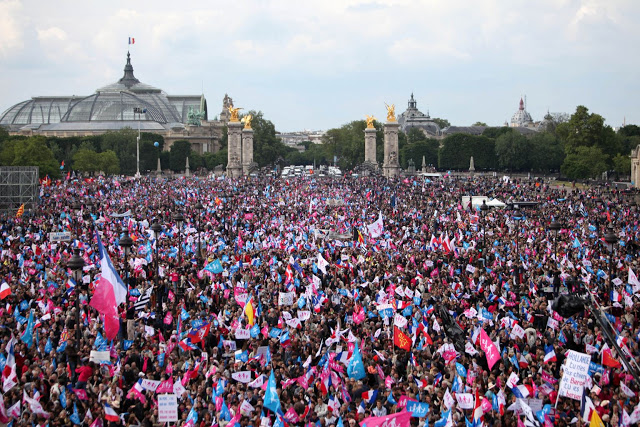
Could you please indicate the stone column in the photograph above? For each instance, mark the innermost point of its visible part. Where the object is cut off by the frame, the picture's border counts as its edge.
(247, 150)
(391, 167)
(187, 172)
(234, 149)
(370, 146)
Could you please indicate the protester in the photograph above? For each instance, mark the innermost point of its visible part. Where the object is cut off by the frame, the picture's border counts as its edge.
(319, 302)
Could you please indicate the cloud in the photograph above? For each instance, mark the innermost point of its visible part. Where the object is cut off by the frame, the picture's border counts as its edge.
(11, 33)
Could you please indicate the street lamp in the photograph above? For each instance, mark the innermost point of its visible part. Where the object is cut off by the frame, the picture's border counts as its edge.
(77, 207)
(75, 264)
(555, 226)
(484, 208)
(125, 243)
(157, 229)
(611, 239)
(198, 207)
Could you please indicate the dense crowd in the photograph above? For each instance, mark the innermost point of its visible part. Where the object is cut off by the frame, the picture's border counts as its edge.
(277, 302)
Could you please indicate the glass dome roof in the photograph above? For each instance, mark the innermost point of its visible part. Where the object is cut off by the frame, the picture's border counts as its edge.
(112, 103)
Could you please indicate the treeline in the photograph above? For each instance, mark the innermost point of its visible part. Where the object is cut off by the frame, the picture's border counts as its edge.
(115, 152)
(580, 146)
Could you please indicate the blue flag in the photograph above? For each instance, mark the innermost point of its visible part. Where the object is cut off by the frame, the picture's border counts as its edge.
(355, 368)
(214, 267)
(63, 399)
(75, 418)
(48, 347)
(462, 371)
(27, 337)
(127, 344)
(271, 399)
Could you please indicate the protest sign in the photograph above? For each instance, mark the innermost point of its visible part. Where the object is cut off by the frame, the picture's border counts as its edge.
(167, 408)
(576, 370)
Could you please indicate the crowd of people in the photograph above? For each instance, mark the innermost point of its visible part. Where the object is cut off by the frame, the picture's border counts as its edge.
(273, 302)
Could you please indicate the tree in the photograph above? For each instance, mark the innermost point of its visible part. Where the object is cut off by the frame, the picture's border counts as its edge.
(123, 143)
(267, 147)
(442, 123)
(584, 162)
(109, 163)
(86, 160)
(587, 130)
(180, 150)
(419, 145)
(457, 149)
(495, 132)
(34, 152)
(513, 151)
(622, 165)
(479, 124)
(546, 153)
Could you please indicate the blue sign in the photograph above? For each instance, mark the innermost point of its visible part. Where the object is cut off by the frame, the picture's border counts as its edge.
(417, 409)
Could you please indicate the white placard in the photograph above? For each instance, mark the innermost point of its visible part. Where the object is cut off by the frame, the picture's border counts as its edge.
(576, 370)
(243, 334)
(63, 236)
(242, 376)
(286, 298)
(99, 356)
(167, 408)
(151, 385)
(304, 315)
(178, 388)
(465, 400)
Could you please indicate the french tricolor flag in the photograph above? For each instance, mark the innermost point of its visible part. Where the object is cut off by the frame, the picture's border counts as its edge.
(549, 354)
(615, 296)
(110, 414)
(370, 396)
(132, 40)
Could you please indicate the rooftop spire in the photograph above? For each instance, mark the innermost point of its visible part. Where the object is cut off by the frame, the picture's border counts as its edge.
(521, 104)
(128, 79)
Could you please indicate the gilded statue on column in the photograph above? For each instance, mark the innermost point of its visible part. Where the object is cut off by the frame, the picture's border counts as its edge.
(247, 121)
(370, 120)
(391, 112)
(234, 114)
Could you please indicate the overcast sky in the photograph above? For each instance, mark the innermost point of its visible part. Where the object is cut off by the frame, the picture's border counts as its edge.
(319, 64)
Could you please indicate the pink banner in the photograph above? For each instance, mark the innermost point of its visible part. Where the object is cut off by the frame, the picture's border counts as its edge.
(489, 348)
(400, 419)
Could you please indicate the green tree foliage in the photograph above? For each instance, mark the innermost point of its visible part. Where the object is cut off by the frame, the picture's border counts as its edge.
(479, 124)
(546, 153)
(587, 130)
(457, 149)
(512, 151)
(86, 160)
(123, 143)
(34, 152)
(495, 132)
(584, 162)
(109, 163)
(211, 160)
(417, 146)
(180, 150)
(622, 165)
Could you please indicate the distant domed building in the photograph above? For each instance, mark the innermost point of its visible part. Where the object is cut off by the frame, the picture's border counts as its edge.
(521, 118)
(125, 103)
(414, 118)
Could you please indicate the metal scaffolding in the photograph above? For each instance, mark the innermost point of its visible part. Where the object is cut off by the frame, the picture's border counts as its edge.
(18, 185)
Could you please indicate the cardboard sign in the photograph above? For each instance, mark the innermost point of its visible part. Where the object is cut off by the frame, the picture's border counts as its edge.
(576, 371)
(286, 298)
(167, 408)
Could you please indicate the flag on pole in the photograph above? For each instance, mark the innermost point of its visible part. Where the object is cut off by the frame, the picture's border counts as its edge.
(132, 40)
(401, 340)
(20, 211)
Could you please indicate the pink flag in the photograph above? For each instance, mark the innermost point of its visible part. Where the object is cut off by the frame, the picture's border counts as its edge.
(168, 319)
(400, 419)
(82, 395)
(104, 301)
(489, 348)
(165, 386)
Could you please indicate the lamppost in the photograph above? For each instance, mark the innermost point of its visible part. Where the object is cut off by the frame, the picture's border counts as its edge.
(157, 229)
(555, 226)
(611, 239)
(77, 208)
(75, 264)
(198, 207)
(179, 219)
(484, 208)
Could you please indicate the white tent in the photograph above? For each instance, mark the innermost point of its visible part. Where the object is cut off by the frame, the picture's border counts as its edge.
(495, 203)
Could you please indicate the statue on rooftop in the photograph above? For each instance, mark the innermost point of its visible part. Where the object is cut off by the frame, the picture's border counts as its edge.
(194, 117)
(247, 121)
